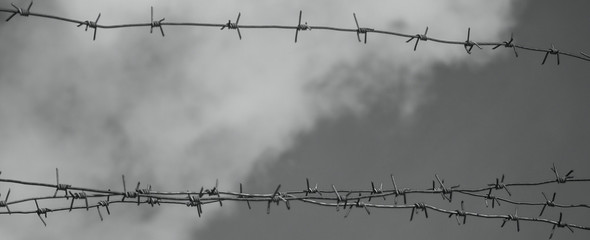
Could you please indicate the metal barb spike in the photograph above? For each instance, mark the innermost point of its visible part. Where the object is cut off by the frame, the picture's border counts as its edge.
(20, 11)
(158, 23)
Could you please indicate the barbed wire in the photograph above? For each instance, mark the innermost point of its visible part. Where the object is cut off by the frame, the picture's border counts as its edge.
(468, 44)
(334, 198)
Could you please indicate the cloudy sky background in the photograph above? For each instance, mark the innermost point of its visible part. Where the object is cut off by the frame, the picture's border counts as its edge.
(198, 105)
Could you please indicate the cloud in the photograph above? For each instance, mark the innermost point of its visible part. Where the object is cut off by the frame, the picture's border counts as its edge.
(181, 111)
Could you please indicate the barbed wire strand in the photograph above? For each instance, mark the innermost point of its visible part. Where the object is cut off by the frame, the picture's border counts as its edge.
(339, 199)
(468, 44)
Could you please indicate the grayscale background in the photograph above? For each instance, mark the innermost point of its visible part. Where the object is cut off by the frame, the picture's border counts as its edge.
(198, 105)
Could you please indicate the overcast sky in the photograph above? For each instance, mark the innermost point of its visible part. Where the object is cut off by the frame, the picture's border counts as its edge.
(198, 105)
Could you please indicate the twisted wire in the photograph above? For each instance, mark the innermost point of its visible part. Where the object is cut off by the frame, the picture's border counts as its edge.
(333, 198)
(467, 44)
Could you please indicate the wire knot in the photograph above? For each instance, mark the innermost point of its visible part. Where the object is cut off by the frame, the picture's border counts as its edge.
(212, 192)
(500, 185)
(365, 30)
(420, 205)
(4, 203)
(130, 194)
(552, 51)
(195, 202)
(550, 203)
(23, 12)
(444, 190)
(230, 25)
(360, 30)
(91, 24)
(312, 190)
(144, 191)
(419, 37)
(512, 218)
(153, 201)
(508, 44)
(376, 191)
(63, 187)
(468, 45)
(79, 195)
(558, 178)
(303, 27)
(276, 198)
(154, 24)
(560, 224)
(460, 213)
(491, 197)
(20, 11)
(158, 23)
(43, 211)
(104, 203)
(88, 24)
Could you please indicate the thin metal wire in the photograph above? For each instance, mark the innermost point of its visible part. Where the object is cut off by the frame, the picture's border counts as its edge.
(339, 199)
(468, 44)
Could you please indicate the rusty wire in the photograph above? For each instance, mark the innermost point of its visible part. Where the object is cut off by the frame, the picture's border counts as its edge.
(78, 198)
(468, 44)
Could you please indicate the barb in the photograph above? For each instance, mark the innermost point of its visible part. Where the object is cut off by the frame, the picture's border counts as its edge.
(20, 11)
(5, 202)
(156, 23)
(241, 196)
(509, 44)
(567, 176)
(460, 213)
(360, 30)
(444, 191)
(300, 27)
(513, 218)
(196, 202)
(467, 44)
(552, 51)
(42, 211)
(309, 189)
(420, 37)
(418, 206)
(560, 224)
(60, 187)
(397, 192)
(80, 195)
(97, 198)
(105, 204)
(500, 185)
(235, 25)
(91, 24)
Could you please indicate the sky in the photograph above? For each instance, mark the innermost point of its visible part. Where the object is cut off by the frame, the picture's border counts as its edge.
(198, 105)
